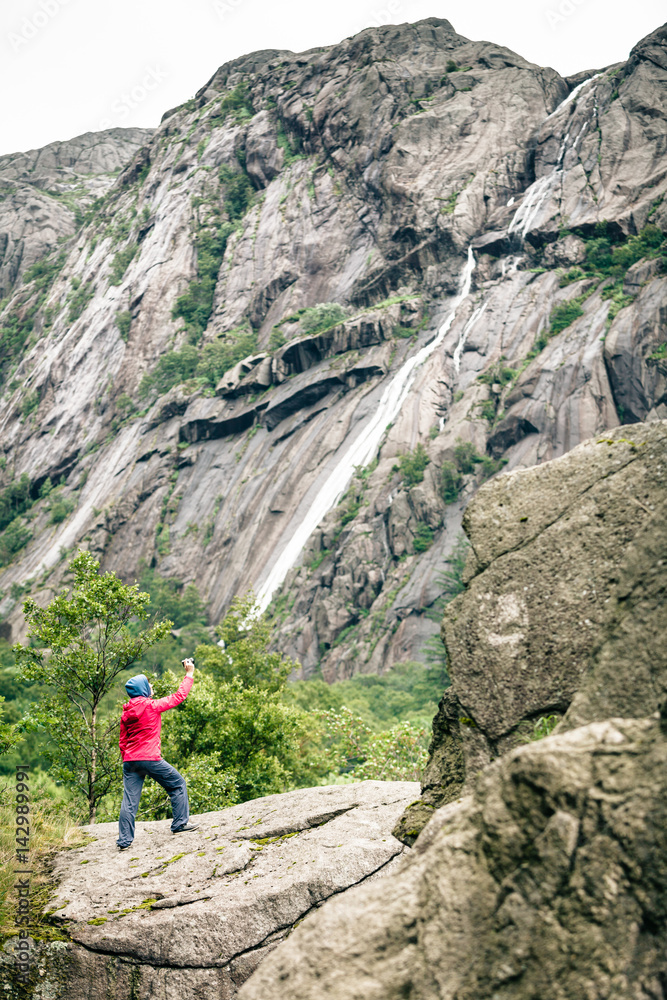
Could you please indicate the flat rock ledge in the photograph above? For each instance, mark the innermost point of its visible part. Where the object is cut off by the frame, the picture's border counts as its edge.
(194, 914)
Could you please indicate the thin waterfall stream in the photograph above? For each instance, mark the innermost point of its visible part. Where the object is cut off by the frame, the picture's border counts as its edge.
(364, 448)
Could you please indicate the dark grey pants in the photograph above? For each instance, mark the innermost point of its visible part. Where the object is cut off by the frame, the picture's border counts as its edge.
(134, 772)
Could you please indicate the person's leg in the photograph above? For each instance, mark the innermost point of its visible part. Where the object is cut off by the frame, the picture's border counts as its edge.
(133, 780)
(174, 784)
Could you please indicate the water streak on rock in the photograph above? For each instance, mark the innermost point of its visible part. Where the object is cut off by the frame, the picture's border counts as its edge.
(364, 449)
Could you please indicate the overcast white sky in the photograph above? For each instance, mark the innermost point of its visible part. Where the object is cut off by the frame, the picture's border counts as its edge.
(72, 66)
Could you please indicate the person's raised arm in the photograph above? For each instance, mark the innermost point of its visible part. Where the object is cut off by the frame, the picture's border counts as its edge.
(172, 700)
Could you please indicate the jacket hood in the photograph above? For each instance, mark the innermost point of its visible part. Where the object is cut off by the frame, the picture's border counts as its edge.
(138, 686)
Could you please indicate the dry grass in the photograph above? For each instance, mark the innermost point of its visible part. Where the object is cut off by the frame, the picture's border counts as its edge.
(54, 820)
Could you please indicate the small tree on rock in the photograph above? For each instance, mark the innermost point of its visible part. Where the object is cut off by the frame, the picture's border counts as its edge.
(83, 642)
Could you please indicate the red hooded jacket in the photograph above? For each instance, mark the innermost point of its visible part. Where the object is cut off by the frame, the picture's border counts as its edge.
(141, 724)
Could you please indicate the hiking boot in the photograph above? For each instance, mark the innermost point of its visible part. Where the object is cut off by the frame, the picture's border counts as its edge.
(126, 848)
(187, 828)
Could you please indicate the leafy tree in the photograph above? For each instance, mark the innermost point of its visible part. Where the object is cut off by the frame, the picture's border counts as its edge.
(350, 746)
(9, 737)
(244, 653)
(83, 642)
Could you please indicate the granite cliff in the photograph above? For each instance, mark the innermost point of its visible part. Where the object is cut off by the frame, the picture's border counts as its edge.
(321, 263)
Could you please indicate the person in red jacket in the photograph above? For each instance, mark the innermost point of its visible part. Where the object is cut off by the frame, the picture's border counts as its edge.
(140, 726)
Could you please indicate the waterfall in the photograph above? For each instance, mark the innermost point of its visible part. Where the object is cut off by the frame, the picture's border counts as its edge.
(363, 449)
(541, 189)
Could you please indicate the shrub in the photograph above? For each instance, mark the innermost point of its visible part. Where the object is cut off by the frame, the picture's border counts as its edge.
(564, 314)
(218, 357)
(238, 192)
(451, 482)
(412, 465)
(121, 263)
(194, 307)
(30, 403)
(15, 499)
(491, 465)
(498, 374)
(79, 298)
(276, 339)
(466, 457)
(172, 368)
(14, 538)
(424, 538)
(207, 365)
(60, 507)
(574, 274)
(124, 322)
(236, 104)
(322, 317)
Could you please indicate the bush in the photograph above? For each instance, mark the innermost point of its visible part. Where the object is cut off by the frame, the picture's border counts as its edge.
(238, 192)
(564, 314)
(172, 369)
(79, 298)
(15, 499)
(424, 538)
(498, 374)
(124, 322)
(491, 465)
(276, 339)
(60, 509)
(218, 357)
(207, 365)
(121, 263)
(451, 482)
(30, 403)
(322, 317)
(236, 104)
(412, 465)
(14, 538)
(466, 457)
(194, 307)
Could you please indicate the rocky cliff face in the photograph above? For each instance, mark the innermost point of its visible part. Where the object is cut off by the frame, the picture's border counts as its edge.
(437, 190)
(564, 614)
(44, 193)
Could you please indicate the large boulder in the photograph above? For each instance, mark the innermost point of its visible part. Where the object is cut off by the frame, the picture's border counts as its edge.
(195, 914)
(564, 557)
(549, 881)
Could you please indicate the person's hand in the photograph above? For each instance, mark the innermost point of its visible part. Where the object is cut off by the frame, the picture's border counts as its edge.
(189, 665)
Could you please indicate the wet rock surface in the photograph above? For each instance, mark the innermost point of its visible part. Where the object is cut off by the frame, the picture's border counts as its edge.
(549, 880)
(213, 903)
